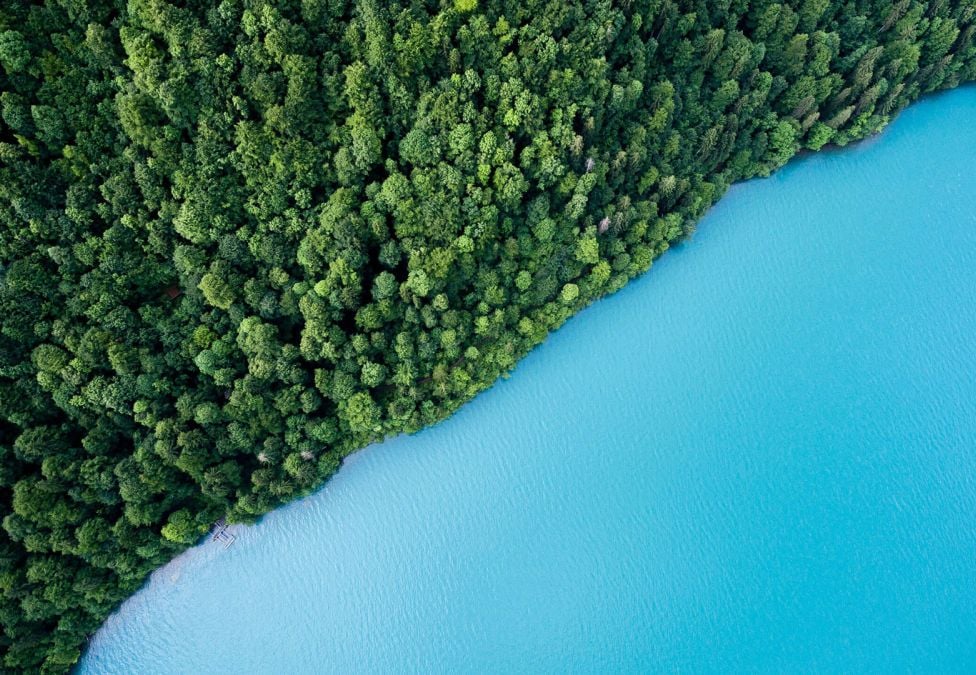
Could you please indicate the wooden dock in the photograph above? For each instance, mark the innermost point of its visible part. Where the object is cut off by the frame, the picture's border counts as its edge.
(221, 534)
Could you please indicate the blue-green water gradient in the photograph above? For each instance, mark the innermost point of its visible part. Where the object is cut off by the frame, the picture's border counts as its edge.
(761, 456)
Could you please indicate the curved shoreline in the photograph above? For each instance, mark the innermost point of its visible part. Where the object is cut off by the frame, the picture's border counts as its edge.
(401, 441)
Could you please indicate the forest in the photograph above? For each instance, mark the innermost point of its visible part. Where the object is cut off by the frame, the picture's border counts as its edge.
(241, 239)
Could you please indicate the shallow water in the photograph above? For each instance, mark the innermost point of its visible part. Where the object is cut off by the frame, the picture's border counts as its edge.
(760, 456)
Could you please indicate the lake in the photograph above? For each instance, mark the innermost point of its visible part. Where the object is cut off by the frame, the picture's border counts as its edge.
(760, 456)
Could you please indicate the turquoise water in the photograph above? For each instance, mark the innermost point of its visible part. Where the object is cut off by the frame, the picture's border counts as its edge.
(761, 456)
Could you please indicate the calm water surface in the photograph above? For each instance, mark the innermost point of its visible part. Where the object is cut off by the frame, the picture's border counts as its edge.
(761, 456)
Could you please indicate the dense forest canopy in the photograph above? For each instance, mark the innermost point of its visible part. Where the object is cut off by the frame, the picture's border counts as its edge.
(241, 239)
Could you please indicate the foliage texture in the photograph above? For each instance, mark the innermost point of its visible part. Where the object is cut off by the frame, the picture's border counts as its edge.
(240, 239)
